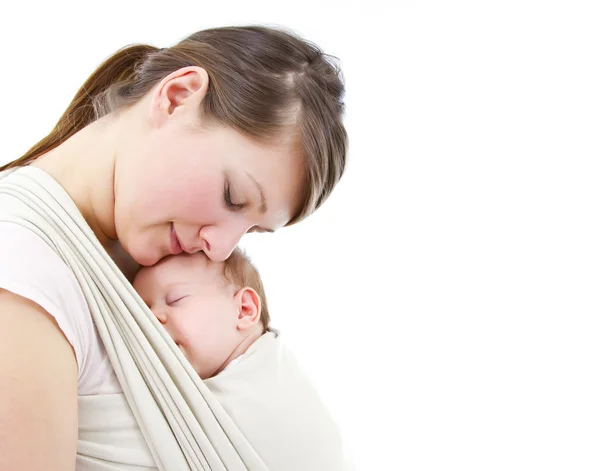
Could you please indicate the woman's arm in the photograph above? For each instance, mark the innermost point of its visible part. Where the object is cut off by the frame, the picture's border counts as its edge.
(38, 389)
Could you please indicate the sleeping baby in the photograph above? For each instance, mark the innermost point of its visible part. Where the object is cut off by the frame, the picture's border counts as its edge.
(213, 311)
(217, 314)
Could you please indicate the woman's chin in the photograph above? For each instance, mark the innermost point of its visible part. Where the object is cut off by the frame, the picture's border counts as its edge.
(146, 258)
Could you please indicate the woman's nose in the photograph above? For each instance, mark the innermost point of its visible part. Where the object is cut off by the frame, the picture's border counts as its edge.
(221, 242)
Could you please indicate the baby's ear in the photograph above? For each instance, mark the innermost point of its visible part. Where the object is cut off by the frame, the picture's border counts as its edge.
(249, 307)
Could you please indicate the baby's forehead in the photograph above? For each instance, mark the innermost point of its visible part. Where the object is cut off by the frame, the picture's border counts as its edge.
(204, 270)
(195, 265)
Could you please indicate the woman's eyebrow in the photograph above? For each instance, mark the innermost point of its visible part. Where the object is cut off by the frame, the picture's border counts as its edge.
(263, 202)
(261, 229)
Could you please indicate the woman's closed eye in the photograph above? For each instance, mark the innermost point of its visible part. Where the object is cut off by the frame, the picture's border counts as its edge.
(229, 198)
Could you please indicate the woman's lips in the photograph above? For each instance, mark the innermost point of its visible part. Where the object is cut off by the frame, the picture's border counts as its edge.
(176, 247)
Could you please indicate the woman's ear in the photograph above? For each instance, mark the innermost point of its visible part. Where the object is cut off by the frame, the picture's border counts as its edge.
(249, 308)
(181, 90)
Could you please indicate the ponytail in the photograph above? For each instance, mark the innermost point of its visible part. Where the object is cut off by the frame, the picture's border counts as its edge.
(263, 83)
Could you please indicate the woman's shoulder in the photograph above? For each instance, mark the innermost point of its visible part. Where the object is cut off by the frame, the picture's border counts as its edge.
(30, 268)
(28, 259)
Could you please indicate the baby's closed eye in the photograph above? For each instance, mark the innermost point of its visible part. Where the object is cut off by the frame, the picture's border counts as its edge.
(171, 300)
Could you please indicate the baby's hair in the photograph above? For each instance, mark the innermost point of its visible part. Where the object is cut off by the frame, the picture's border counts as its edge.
(239, 270)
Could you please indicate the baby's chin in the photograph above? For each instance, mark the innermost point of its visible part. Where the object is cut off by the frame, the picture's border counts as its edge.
(203, 369)
(208, 369)
(207, 373)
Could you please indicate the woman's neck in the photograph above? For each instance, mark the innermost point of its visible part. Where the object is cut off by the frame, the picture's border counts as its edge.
(84, 166)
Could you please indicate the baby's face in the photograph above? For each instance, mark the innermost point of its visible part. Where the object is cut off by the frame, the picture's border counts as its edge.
(188, 295)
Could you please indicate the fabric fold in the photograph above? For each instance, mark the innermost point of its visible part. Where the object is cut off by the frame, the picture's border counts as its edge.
(246, 418)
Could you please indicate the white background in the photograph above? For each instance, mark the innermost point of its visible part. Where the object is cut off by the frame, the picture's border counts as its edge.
(445, 299)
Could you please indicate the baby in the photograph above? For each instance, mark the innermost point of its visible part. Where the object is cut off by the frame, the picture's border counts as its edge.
(215, 312)
(212, 310)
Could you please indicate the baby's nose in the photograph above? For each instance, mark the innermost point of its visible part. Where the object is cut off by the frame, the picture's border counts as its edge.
(161, 315)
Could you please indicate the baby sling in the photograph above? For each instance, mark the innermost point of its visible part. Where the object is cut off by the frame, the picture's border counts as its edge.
(260, 414)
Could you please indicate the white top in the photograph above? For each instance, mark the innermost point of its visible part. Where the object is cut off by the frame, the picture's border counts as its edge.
(31, 269)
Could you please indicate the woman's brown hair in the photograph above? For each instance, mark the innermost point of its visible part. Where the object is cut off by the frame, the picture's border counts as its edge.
(262, 81)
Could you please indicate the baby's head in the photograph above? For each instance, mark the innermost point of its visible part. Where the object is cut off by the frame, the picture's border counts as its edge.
(212, 310)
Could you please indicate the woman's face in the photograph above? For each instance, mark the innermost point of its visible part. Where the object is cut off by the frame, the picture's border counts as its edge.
(181, 188)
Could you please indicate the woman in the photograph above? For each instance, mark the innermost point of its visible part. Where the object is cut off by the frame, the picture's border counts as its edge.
(162, 151)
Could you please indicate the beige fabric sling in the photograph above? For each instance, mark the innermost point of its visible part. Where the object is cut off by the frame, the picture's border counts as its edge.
(260, 413)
